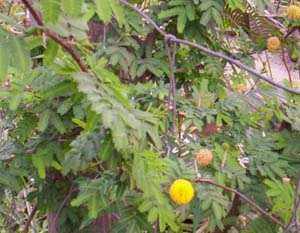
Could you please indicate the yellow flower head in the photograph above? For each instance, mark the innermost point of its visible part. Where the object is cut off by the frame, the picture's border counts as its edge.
(182, 191)
(293, 12)
(273, 43)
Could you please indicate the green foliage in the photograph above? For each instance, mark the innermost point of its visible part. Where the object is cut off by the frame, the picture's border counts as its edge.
(211, 12)
(84, 149)
(106, 9)
(263, 159)
(282, 195)
(72, 7)
(13, 52)
(124, 122)
(149, 173)
(97, 145)
(260, 225)
(183, 10)
(51, 10)
(95, 194)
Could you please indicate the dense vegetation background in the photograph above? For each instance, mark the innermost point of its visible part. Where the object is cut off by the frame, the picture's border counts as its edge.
(105, 103)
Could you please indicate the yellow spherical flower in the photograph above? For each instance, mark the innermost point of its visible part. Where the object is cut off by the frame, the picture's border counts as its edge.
(273, 43)
(182, 191)
(204, 157)
(293, 12)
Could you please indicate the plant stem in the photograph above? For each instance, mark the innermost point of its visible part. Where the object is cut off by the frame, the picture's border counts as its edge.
(243, 197)
(208, 51)
(54, 36)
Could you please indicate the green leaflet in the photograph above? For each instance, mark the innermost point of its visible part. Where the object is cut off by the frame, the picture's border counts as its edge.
(131, 221)
(260, 225)
(20, 57)
(83, 150)
(106, 149)
(26, 127)
(93, 206)
(4, 61)
(106, 8)
(61, 89)
(15, 101)
(72, 7)
(183, 10)
(44, 120)
(96, 194)
(118, 11)
(181, 22)
(129, 127)
(50, 52)
(149, 164)
(170, 12)
(211, 12)
(236, 4)
(51, 10)
(38, 162)
(44, 158)
(8, 180)
(282, 194)
(58, 123)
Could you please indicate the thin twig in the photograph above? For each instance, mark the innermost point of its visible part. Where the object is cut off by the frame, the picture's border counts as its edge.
(243, 197)
(62, 205)
(290, 32)
(54, 36)
(30, 218)
(145, 16)
(208, 51)
(286, 66)
(171, 52)
(268, 63)
(203, 227)
(28, 207)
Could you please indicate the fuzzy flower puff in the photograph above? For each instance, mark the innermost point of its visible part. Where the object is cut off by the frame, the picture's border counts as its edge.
(273, 43)
(293, 12)
(182, 191)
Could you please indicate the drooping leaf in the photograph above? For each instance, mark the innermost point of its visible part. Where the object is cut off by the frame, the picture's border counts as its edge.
(21, 56)
(104, 10)
(72, 7)
(4, 61)
(51, 10)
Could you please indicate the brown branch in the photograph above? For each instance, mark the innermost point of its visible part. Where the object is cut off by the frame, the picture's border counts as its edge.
(243, 197)
(171, 53)
(64, 202)
(54, 36)
(286, 66)
(268, 63)
(290, 31)
(208, 51)
(145, 16)
(30, 218)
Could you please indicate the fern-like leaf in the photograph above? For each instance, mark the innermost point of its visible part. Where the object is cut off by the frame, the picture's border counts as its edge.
(104, 10)
(72, 7)
(51, 10)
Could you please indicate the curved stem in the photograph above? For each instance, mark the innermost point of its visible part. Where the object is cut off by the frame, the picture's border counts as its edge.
(243, 197)
(209, 51)
(54, 36)
(286, 66)
(30, 218)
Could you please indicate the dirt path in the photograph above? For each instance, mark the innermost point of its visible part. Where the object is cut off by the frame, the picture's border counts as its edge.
(278, 69)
